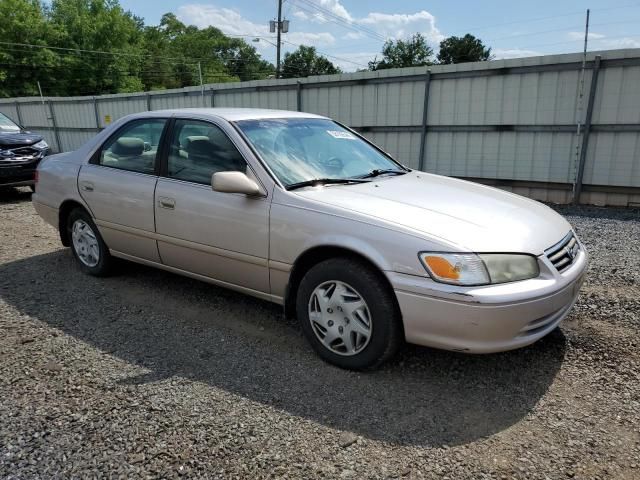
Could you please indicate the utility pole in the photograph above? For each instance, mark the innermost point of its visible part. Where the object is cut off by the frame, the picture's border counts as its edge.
(582, 71)
(580, 100)
(279, 26)
(201, 84)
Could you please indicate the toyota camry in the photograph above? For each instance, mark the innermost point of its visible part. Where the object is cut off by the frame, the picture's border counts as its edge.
(300, 210)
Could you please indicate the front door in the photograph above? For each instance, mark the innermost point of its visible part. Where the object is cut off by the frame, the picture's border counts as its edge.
(118, 185)
(223, 236)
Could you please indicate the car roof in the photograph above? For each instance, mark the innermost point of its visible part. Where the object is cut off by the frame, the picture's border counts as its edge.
(235, 114)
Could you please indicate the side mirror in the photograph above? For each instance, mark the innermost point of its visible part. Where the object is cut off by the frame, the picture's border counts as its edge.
(234, 182)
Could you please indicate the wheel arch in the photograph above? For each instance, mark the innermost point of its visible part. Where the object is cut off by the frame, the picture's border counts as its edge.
(314, 255)
(63, 215)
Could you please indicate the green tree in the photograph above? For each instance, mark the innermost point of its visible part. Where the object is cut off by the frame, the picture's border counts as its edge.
(413, 52)
(222, 59)
(304, 62)
(463, 49)
(243, 60)
(89, 47)
(186, 46)
(24, 22)
(96, 25)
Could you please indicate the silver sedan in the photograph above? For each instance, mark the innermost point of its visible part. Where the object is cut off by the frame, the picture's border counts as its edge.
(300, 210)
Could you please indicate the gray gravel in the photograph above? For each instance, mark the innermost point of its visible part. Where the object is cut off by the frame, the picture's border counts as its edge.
(147, 374)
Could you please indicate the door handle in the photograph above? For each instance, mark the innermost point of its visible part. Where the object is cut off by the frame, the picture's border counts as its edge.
(86, 186)
(168, 203)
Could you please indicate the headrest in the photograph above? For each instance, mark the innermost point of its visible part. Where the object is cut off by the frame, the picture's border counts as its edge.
(128, 146)
(193, 138)
(218, 138)
(199, 146)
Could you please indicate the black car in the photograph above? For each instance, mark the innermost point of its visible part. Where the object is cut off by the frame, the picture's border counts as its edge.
(20, 153)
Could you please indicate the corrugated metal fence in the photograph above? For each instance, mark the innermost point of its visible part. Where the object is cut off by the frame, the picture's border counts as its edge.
(511, 123)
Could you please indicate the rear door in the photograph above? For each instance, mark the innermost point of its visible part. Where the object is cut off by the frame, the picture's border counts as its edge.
(118, 184)
(223, 236)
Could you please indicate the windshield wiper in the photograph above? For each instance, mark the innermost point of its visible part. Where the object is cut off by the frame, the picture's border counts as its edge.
(377, 172)
(324, 181)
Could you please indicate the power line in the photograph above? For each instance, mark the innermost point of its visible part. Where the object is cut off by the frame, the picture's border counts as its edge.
(100, 52)
(153, 57)
(298, 45)
(563, 29)
(549, 17)
(574, 41)
(328, 55)
(231, 68)
(337, 17)
(333, 18)
(72, 53)
(154, 73)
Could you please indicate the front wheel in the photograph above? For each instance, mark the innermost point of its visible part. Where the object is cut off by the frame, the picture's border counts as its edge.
(349, 314)
(87, 245)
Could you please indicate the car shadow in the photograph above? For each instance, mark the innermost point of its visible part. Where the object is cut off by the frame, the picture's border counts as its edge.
(174, 326)
(10, 195)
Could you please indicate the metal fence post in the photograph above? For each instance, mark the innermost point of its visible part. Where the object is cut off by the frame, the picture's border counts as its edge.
(95, 112)
(56, 133)
(577, 187)
(299, 96)
(18, 112)
(213, 98)
(148, 102)
(425, 112)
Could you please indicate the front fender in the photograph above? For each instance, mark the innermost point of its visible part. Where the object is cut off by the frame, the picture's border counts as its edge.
(295, 230)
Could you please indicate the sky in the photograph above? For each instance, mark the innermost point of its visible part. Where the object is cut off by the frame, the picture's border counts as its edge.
(352, 32)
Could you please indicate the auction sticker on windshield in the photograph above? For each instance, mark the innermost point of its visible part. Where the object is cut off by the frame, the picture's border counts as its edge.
(339, 134)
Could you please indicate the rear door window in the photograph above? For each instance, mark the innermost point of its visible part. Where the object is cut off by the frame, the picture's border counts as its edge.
(134, 147)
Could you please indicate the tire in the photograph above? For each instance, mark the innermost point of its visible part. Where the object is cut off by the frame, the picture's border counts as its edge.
(333, 319)
(87, 244)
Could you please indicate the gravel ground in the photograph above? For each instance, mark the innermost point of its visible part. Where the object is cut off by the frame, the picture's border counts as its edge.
(148, 374)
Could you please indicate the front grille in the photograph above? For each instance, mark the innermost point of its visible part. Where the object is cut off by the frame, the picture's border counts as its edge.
(25, 151)
(18, 155)
(563, 254)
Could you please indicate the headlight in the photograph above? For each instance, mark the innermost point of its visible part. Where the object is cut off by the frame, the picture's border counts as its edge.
(505, 267)
(479, 269)
(41, 145)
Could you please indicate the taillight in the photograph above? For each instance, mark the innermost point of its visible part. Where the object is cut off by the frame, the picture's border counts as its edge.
(35, 177)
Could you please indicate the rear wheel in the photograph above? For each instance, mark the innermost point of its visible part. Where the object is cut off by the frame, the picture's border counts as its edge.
(348, 314)
(87, 245)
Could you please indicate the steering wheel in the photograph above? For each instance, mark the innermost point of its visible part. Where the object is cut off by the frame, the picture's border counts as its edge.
(334, 165)
(290, 146)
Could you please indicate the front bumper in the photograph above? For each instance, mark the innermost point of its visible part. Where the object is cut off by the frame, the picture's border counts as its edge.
(19, 173)
(490, 318)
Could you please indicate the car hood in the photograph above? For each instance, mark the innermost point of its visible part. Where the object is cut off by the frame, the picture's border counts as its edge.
(471, 216)
(18, 139)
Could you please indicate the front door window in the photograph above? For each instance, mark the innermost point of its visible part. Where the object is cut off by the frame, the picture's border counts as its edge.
(199, 149)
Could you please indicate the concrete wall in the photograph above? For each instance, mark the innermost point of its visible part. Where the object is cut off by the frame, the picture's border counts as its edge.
(511, 123)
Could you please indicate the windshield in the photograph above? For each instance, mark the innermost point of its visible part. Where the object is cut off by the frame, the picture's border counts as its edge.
(7, 125)
(302, 149)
